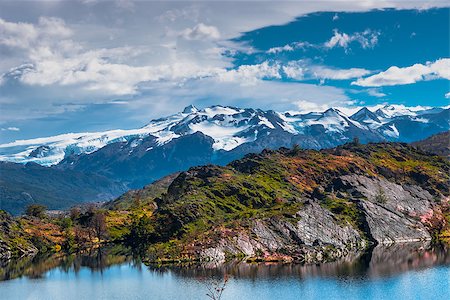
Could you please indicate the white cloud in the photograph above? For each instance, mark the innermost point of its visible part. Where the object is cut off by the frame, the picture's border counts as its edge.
(376, 93)
(25, 35)
(289, 47)
(10, 129)
(308, 106)
(83, 60)
(280, 49)
(55, 59)
(295, 70)
(303, 69)
(447, 95)
(201, 32)
(367, 39)
(407, 75)
(250, 74)
(338, 74)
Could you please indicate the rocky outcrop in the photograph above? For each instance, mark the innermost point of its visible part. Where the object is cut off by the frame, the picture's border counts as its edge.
(387, 227)
(411, 200)
(313, 235)
(318, 226)
(392, 211)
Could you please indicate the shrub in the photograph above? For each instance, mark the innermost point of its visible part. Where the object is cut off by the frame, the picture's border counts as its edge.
(36, 210)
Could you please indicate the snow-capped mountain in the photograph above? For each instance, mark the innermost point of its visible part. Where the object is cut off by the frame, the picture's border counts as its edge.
(231, 128)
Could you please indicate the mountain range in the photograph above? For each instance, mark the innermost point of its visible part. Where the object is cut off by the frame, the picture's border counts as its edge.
(232, 127)
(219, 134)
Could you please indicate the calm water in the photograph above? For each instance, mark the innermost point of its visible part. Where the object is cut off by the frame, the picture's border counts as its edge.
(399, 272)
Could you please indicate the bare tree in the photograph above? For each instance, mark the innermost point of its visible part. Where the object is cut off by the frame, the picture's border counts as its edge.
(98, 224)
(215, 290)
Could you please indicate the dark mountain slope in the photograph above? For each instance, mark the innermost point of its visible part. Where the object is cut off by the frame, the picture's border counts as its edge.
(438, 144)
(138, 165)
(21, 185)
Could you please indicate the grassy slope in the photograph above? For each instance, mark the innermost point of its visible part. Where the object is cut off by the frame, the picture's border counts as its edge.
(205, 200)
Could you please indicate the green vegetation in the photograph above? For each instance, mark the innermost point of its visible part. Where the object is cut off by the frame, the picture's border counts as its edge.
(345, 211)
(171, 219)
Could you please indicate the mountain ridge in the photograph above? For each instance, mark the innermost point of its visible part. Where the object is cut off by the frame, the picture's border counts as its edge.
(231, 127)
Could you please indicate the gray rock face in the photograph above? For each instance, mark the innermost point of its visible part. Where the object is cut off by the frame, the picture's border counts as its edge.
(318, 226)
(410, 200)
(388, 227)
(390, 214)
(392, 211)
(314, 236)
(5, 251)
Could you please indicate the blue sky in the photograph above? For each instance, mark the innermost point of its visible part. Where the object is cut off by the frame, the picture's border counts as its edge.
(95, 65)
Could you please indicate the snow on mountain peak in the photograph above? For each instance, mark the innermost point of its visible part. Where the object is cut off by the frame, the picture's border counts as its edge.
(393, 110)
(367, 117)
(228, 126)
(190, 109)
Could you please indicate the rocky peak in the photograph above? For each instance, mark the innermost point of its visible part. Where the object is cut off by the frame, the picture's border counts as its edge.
(190, 109)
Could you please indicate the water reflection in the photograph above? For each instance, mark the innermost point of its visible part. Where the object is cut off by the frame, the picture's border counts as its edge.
(380, 261)
(96, 260)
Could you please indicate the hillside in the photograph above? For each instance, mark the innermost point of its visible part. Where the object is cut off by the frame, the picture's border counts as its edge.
(292, 202)
(284, 205)
(438, 144)
(144, 196)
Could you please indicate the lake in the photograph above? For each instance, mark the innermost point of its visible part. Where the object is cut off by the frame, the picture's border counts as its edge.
(408, 271)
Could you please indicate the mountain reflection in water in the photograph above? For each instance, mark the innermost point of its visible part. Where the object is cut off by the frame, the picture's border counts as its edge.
(380, 261)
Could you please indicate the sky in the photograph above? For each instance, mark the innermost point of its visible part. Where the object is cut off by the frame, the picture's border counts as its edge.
(79, 66)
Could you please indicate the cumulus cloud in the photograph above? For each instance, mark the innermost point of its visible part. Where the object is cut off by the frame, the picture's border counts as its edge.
(295, 70)
(447, 95)
(298, 70)
(407, 75)
(25, 35)
(367, 39)
(376, 93)
(201, 32)
(56, 59)
(286, 47)
(91, 58)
